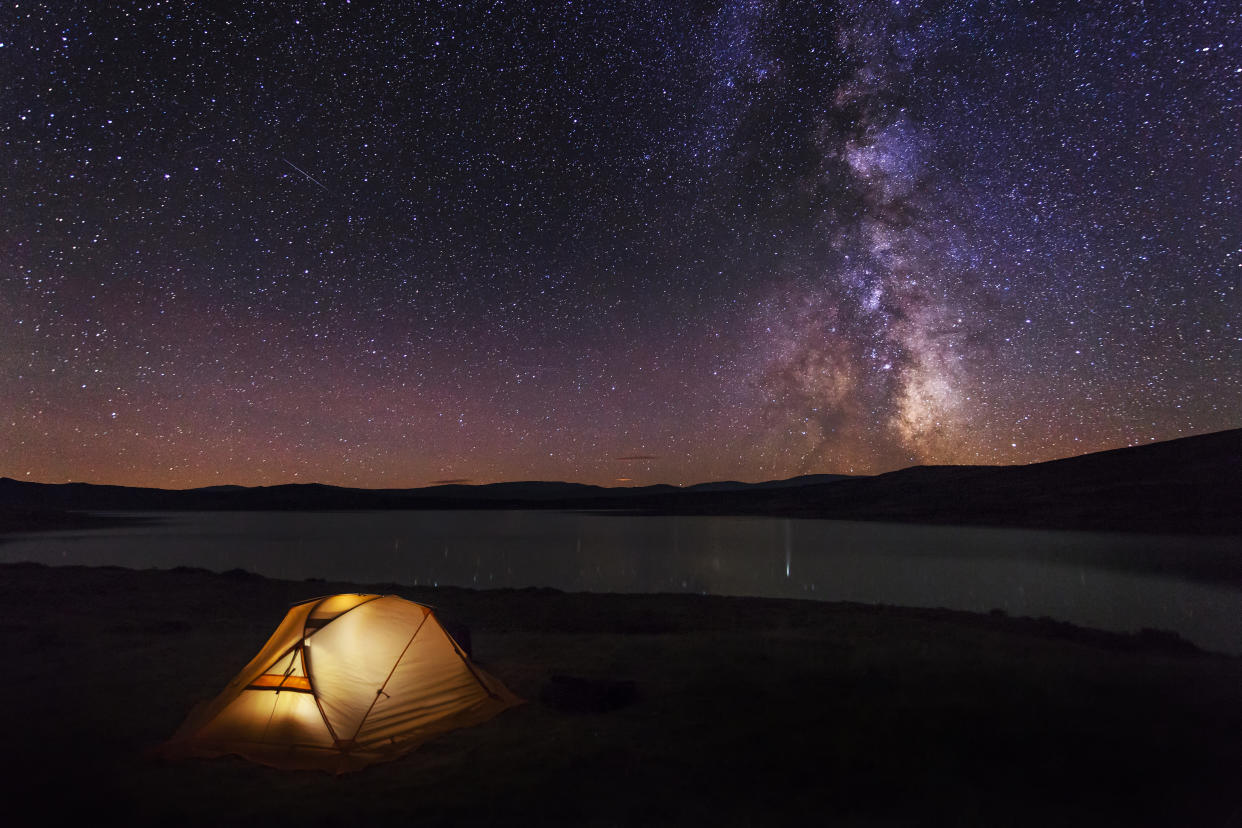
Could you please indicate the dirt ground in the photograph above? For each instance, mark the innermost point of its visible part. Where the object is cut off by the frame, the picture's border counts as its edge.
(744, 712)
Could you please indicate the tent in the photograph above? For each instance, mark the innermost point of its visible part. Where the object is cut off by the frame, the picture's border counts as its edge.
(345, 681)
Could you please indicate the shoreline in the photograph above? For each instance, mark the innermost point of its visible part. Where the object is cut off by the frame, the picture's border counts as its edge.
(18, 519)
(651, 610)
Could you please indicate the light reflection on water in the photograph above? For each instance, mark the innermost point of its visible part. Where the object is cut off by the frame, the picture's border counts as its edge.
(1110, 581)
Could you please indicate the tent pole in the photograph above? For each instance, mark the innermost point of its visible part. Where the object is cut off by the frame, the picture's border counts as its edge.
(363, 720)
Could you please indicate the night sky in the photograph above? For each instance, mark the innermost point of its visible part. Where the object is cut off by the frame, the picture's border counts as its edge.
(395, 244)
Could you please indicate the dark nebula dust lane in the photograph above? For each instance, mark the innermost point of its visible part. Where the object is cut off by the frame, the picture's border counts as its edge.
(381, 245)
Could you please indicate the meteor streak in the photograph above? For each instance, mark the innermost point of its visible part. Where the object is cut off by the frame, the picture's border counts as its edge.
(305, 173)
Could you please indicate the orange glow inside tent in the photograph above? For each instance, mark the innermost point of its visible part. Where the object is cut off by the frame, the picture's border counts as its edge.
(344, 682)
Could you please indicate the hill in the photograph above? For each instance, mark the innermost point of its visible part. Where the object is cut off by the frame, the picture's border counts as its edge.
(1188, 485)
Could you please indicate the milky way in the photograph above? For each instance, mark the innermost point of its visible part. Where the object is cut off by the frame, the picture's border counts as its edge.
(382, 245)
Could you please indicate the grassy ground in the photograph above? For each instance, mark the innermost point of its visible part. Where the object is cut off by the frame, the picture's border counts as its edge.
(748, 712)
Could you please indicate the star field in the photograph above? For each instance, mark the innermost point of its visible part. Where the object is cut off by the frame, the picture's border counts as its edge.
(386, 244)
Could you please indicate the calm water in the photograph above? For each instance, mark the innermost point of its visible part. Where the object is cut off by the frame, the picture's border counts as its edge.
(1110, 581)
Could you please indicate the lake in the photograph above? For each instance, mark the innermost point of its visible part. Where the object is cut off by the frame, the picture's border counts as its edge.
(1192, 585)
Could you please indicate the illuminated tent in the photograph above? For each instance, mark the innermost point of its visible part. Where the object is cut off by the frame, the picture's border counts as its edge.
(345, 681)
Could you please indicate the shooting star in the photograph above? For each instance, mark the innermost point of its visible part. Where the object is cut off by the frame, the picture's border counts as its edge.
(308, 175)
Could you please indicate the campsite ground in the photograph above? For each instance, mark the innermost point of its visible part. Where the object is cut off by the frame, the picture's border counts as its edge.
(748, 712)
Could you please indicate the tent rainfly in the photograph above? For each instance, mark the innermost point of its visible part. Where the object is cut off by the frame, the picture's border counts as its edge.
(344, 682)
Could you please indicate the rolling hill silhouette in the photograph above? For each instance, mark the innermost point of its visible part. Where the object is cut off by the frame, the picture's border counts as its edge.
(1192, 485)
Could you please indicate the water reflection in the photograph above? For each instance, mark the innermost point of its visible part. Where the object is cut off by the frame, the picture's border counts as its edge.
(788, 545)
(1192, 585)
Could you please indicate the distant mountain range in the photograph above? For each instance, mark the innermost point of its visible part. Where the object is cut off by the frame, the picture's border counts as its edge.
(1192, 485)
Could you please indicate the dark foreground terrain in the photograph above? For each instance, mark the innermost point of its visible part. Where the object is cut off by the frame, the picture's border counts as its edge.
(743, 712)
